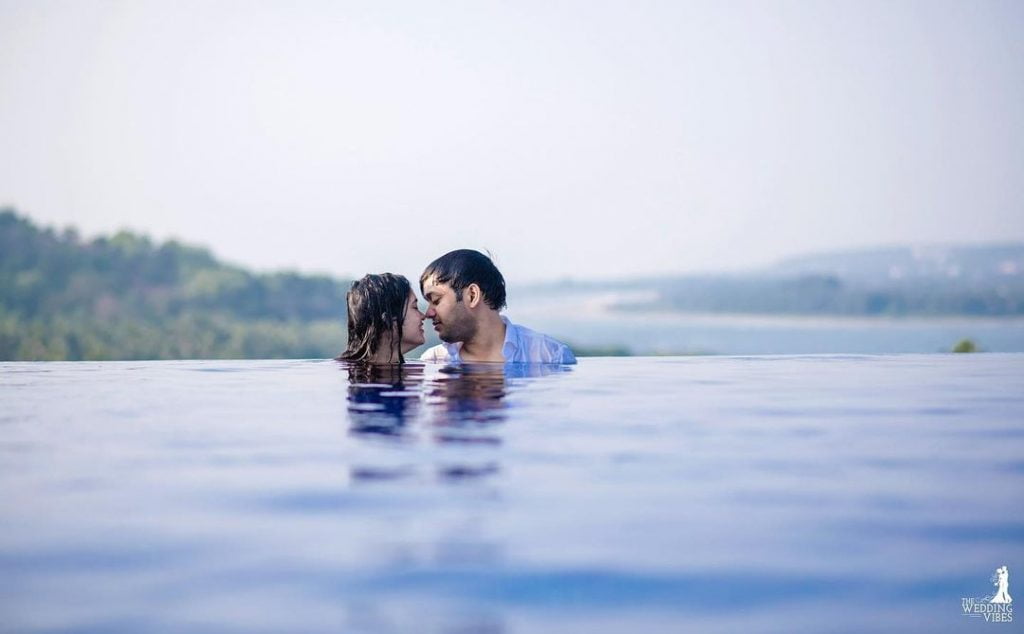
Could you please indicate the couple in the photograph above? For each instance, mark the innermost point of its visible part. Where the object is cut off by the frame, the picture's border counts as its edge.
(464, 293)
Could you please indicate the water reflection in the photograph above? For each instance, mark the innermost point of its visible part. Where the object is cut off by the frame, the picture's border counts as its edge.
(383, 399)
(465, 407)
(467, 396)
(456, 406)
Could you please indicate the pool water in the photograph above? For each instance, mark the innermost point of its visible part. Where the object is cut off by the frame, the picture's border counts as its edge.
(796, 494)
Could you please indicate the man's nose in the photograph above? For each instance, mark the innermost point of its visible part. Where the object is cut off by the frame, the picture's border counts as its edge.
(430, 313)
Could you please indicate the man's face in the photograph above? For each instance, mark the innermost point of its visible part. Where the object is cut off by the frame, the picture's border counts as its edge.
(452, 319)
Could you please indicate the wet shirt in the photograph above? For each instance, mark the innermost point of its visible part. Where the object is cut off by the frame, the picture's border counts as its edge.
(522, 345)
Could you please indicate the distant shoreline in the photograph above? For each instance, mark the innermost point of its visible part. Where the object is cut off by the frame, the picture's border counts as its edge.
(804, 319)
(627, 306)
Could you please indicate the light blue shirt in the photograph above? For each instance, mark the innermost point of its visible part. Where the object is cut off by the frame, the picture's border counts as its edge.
(522, 345)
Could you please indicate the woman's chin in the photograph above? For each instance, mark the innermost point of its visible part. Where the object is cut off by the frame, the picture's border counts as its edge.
(410, 344)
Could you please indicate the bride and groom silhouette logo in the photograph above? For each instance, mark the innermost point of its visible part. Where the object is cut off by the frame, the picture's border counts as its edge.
(1001, 579)
(996, 608)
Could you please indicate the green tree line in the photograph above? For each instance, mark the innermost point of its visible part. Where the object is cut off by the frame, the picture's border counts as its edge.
(126, 297)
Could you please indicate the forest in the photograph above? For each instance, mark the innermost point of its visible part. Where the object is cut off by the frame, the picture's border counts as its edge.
(127, 297)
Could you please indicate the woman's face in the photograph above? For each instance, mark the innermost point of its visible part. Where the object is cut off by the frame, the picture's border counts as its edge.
(412, 329)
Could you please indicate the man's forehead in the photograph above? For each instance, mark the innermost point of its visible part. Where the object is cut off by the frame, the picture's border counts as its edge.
(431, 285)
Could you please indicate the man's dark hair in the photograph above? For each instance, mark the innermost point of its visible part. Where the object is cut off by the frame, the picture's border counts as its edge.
(463, 267)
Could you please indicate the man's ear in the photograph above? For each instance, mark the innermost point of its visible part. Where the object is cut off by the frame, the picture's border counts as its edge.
(473, 295)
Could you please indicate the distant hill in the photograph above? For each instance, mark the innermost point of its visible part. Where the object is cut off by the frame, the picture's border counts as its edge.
(985, 280)
(979, 266)
(125, 297)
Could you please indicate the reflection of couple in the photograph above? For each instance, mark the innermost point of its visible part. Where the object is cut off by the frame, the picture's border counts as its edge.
(1002, 580)
(464, 293)
(382, 398)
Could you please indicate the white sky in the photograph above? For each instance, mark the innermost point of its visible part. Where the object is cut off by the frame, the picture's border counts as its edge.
(584, 139)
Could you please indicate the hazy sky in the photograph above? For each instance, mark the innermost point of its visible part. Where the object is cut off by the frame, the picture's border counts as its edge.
(584, 139)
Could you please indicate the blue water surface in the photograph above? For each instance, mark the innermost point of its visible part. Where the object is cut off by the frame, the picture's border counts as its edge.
(711, 494)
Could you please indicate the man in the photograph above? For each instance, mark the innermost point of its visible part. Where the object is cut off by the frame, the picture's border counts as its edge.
(464, 292)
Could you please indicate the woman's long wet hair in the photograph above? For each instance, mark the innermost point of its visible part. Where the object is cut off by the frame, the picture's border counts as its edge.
(376, 313)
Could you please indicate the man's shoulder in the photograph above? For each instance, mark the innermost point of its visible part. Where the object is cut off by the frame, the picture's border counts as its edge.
(542, 348)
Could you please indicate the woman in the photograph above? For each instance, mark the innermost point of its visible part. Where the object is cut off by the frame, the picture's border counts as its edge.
(384, 320)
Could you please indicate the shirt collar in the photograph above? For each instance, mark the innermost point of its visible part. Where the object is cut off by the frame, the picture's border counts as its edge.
(453, 350)
(510, 338)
